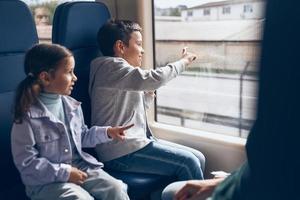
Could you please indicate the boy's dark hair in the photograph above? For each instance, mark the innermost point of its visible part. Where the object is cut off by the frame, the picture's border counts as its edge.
(113, 31)
(41, 57)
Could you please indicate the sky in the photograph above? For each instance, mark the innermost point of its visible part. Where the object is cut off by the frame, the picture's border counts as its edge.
(174, 3)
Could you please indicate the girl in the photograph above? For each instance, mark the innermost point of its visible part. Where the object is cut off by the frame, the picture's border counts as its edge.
(49, 132)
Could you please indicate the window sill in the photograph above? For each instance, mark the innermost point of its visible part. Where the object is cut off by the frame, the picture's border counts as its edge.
(169, 131)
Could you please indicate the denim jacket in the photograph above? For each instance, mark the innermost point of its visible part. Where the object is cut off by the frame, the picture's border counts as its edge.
(41, 145)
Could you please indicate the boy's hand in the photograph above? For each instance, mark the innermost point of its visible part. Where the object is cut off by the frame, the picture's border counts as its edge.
(188, 57)
(150, 93)
(77, 176)
(118, 132)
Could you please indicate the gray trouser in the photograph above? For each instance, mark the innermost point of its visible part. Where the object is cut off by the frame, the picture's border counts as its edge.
(99, 185)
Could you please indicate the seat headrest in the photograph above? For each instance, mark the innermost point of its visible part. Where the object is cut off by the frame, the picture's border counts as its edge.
(17, 28)
(76, 24)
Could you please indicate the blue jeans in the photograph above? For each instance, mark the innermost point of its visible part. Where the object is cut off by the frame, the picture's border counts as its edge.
(162, 158)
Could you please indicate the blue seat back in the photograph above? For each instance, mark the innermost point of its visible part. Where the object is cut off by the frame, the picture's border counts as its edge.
(75, 26)
(17, 34)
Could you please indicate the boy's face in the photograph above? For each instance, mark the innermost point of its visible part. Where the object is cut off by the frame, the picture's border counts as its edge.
(133, 53)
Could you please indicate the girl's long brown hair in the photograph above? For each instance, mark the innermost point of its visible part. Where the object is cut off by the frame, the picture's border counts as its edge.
(41, 57)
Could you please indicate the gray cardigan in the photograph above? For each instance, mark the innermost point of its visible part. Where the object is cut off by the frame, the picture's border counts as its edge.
(118, 97)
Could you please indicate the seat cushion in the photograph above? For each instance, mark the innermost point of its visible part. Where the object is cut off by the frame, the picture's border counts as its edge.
(142, 185)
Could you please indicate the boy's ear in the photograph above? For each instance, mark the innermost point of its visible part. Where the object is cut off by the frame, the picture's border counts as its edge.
(45, 78)
(119, 48)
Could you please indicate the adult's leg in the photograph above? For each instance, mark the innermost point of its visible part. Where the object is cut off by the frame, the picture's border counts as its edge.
(157, 158)
(170, 191)
(103, 186)
(58, 191)
(197, 153)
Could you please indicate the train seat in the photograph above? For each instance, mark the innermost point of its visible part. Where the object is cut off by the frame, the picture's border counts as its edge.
(17, 34)
(75, 26)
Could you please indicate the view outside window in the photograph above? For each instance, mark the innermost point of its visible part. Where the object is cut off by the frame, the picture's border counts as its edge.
(43, 12)
(218, 93)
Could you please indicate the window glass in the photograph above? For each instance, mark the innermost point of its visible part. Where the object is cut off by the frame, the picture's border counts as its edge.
(218, 92)
(248, 8)
(43, 11)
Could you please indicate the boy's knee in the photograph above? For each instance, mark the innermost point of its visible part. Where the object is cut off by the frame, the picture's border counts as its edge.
(193, 162)
(202, 160)
(194, 167)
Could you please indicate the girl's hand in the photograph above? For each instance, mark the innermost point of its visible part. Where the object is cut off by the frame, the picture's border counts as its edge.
(188, 57)
(118, 132)
(77, 176)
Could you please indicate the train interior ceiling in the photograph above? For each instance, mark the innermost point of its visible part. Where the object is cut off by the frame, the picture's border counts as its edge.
(211, 106)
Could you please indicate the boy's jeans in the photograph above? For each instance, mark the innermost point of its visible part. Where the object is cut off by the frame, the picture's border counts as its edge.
(162, 158)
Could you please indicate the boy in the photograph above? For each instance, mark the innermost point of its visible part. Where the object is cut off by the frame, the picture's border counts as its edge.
(120, 91)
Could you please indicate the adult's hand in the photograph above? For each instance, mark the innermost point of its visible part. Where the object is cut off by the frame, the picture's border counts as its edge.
(198, 189)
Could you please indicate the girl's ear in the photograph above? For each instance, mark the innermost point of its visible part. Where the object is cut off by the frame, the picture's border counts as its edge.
(44, 77)
(119, 48)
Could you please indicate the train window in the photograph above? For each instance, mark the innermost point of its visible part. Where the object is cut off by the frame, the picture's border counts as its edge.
(218, 92)
(43, 11)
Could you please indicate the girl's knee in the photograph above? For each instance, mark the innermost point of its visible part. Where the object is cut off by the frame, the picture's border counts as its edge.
(118, 190)
(76, 195)
(119, 187)
(85, 196)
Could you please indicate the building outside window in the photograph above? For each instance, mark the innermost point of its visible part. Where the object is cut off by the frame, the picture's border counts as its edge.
(226, 10)
(248, 8)
(206, 11)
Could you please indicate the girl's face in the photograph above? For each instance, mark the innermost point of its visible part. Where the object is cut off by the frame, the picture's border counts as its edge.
(63, 79)
(133, 53)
